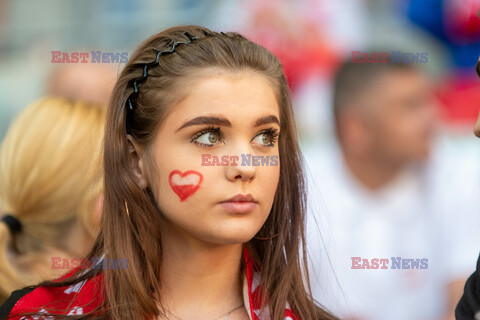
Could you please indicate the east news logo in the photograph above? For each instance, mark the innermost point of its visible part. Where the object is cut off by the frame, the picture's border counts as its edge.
(396, 263)
(394, 56)
(92, 57)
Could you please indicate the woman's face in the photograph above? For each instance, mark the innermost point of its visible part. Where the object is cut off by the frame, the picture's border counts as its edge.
(217, 143)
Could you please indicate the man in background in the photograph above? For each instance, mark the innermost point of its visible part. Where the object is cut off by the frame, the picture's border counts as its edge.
(385, 191)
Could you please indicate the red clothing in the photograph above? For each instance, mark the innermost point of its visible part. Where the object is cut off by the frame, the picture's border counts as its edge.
(85, 296)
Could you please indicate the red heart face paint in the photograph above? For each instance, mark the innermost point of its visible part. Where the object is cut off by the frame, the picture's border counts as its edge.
(185, 184)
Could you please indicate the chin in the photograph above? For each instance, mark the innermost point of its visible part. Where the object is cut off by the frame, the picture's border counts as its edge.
(235, 235)
(232, 240)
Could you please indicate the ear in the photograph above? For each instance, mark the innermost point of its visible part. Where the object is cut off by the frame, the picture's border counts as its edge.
(136, 163)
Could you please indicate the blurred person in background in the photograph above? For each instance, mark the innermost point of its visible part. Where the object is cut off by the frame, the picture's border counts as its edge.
(388, 194)
(468, 307)
(86, 82)
(50, 190)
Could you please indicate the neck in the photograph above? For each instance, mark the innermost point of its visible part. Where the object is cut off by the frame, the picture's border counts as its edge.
(52, 261)
(372, 172)
(199, 278)
(78, 234)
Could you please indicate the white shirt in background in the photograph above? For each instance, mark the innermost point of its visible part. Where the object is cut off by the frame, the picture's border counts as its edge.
(428, 212)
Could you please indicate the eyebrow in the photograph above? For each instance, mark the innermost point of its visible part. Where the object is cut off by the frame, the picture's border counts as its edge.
(212, 120)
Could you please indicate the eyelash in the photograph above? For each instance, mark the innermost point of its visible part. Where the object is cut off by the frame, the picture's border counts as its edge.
(271, 132)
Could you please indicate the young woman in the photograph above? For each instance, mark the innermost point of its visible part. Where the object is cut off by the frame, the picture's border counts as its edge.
(50, 186)
(204, 192)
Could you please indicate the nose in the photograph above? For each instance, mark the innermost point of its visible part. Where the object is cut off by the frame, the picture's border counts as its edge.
(476, 130)
(243, 169)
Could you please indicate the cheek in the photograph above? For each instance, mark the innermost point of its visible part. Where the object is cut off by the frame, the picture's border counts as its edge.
(394, 131)
(268, 178)
(178, 177)
(178, 195)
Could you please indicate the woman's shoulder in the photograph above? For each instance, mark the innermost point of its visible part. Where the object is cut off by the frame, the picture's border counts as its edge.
(74, 299)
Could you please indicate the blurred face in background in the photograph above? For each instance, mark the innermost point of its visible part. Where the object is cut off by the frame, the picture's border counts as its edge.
(399, 116)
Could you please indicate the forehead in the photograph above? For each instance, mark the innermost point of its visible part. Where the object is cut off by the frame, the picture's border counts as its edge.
(391, 89)
(235, 95)
(396, 83)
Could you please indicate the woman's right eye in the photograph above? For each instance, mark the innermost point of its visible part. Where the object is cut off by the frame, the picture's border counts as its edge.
(208, 137)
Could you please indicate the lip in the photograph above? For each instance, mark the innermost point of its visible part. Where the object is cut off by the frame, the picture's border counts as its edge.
(241, 198)
(240, 203)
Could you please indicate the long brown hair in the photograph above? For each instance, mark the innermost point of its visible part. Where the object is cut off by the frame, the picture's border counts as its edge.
(277, 248)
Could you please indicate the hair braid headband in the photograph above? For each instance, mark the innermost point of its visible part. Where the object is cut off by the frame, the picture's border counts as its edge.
(135, 82)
